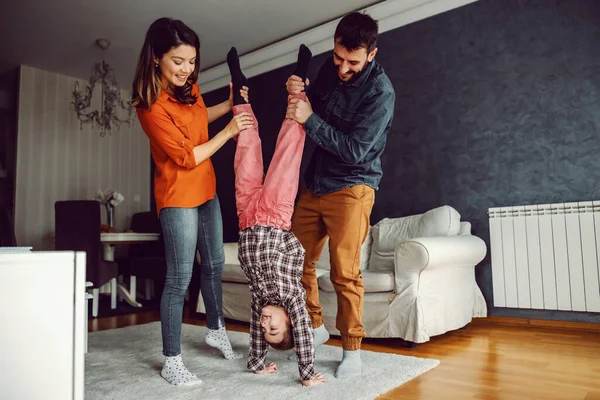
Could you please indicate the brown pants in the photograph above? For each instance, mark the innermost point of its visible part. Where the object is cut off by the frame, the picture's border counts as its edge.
(344, 216)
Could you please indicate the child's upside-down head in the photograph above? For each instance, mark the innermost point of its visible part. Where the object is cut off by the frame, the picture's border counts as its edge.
(276, 327)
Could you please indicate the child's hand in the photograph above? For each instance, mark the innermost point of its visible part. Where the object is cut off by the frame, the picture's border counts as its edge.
(317, 379)
(269, 369)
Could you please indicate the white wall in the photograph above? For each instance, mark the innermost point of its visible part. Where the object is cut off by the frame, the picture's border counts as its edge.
(56, 160)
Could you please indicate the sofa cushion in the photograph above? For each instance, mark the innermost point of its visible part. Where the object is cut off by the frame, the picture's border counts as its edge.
(233, 273)
(441, 221)
(387, 234)
(373, 281)
(321, 272)
(390, 232)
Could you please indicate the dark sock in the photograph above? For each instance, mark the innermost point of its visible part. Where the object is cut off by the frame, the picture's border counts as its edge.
(237, 77)
(304, 56)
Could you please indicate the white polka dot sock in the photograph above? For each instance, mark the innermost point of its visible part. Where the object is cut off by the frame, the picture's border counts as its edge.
(217, 338)
(177, 374)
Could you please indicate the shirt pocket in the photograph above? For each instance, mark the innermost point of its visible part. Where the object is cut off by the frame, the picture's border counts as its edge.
(292, 253)
(183, 122)
(318, 100)
(342, 119)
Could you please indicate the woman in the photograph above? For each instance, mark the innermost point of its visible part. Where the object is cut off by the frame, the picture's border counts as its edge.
(175, 119)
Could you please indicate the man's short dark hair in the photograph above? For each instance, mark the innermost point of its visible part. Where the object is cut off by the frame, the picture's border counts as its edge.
(357, 30)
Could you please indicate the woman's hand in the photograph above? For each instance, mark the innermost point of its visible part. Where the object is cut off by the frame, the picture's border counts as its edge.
(238, 123)
(243, 91)
(269, 369)
(317, 379)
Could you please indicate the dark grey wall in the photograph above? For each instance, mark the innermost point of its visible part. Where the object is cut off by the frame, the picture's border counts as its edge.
(9, 84)
(498, 103)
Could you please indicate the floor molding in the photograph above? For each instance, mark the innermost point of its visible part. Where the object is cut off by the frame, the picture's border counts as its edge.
(541, 323)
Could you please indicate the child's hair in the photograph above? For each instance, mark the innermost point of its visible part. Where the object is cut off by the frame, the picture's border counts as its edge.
(286, 343)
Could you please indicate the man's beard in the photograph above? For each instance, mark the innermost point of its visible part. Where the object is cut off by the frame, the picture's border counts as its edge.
(353, 76)
(347, 76)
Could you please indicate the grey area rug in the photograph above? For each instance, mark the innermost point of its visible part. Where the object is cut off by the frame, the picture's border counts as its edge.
(125, 363)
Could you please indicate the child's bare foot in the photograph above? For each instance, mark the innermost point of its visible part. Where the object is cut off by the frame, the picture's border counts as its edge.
(319, 378)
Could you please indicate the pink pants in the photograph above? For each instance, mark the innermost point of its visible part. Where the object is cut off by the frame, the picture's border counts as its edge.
(269, 202)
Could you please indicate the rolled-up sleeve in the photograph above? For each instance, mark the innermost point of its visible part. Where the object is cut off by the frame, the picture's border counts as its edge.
(258, 345)
(163, 133)
(303, 338)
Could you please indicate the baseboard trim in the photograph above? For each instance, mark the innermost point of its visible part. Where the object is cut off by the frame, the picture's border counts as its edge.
(541, 323)
(391, 14)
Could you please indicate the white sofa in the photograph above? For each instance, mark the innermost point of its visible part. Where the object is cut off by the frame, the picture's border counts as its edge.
(418, 273)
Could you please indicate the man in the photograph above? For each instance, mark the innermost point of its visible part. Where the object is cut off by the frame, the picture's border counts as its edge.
(348, 116)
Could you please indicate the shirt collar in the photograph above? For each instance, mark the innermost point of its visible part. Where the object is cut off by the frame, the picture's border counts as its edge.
(362, 77)
(359, 80)
(166, 96)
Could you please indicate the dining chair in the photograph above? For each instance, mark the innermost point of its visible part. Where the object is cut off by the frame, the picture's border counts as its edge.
(7, 229)
(77, 228)
(145, 260)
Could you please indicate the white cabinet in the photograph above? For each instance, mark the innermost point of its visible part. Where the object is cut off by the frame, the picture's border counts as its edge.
(42, 331)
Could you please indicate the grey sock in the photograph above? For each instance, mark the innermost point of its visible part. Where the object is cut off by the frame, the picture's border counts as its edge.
(320, 336)
(217, 338)
(350, 366)
(175, 372)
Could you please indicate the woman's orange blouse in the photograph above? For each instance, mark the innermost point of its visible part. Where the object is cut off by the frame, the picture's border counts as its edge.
(174, 129)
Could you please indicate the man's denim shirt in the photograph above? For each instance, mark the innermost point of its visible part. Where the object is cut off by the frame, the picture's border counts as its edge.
(349, 124)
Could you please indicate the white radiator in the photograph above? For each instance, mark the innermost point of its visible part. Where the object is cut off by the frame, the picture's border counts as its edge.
(546, 256)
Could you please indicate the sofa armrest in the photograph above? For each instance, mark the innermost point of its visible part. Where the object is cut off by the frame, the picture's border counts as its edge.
(414, 255)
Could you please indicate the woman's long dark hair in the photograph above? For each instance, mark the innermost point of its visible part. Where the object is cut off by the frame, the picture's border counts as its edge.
(163, 35)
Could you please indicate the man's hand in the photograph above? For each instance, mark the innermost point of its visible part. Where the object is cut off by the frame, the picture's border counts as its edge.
(243, 93)
(294, 84)
(269, 369)
(317, 379)
(298, 110)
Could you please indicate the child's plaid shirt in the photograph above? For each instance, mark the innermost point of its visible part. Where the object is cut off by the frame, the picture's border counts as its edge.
(272, 260)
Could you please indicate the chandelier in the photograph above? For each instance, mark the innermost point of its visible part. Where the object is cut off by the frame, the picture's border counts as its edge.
(109, 115)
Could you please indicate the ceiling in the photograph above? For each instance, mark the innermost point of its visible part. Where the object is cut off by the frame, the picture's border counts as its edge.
(59, 35)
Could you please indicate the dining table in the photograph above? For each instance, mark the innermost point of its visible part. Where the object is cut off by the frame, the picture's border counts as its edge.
(112, 239)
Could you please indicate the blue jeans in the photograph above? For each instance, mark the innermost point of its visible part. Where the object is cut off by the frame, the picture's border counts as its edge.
(184, 231)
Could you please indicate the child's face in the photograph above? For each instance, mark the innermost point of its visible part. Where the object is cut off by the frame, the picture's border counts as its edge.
(274, 322)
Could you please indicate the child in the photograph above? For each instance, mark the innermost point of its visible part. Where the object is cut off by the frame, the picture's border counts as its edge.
(269, 253)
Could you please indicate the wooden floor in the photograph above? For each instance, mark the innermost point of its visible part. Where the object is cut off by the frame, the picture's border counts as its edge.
(488, 360)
